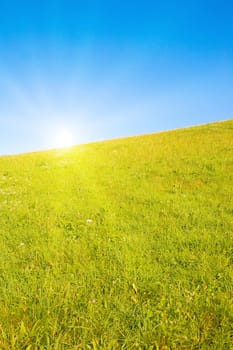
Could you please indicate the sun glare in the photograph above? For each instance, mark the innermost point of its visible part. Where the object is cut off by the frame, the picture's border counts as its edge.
(63, 138)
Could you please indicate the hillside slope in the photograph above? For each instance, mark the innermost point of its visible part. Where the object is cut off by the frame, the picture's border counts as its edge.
(119, 244)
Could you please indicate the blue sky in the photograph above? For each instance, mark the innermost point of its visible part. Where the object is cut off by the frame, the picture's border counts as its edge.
(106, 69)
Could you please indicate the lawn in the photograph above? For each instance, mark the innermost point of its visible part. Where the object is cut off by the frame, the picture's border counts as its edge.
(122, 244)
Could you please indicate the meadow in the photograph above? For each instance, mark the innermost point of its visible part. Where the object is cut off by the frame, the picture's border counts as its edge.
(122, 244)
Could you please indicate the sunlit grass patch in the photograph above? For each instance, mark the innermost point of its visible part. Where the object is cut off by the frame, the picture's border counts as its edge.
(120, 244)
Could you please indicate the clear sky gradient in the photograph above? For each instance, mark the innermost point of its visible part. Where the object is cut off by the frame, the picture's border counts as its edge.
(107, 69)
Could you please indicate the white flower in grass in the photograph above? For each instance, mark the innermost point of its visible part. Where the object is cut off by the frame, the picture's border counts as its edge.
(89, 221)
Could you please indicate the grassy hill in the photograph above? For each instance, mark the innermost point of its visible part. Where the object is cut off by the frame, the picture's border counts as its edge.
(120, 244)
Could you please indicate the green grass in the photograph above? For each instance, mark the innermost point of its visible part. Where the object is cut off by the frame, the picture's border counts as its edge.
(121, 244)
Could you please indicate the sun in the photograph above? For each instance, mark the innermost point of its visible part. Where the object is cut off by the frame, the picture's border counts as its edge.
(63, 138)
